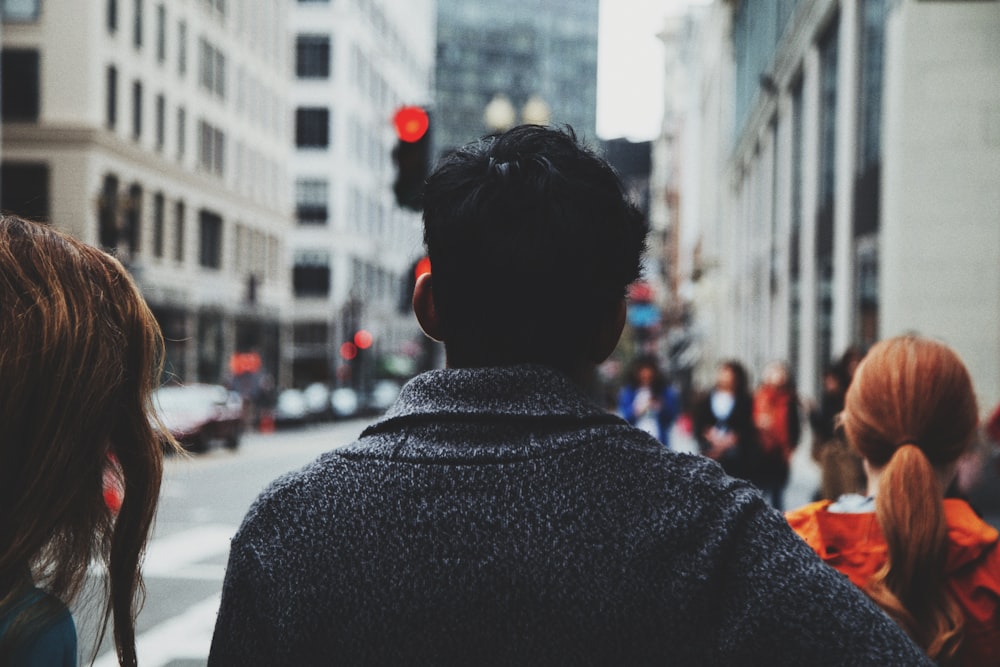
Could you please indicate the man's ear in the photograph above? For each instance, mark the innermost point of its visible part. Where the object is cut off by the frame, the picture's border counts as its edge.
(609, 333)
(423, 307)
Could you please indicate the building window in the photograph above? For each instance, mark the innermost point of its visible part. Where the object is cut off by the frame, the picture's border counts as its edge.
(112, 17)
(312, 127)
(161, 131)
(795, 254)
(19, 85)
(311, 196)
(179, 215)
(161, 33)
(107, 215)
(24, 189)
(181, 132)
(158, 204)
(311, 274)
(111, 113)
(868, 177)
(312, 56)
(136, 110)
(137, 24)
(207, 63)
(212, 147)
(210, 235)
(133, 219)
(213, 69)
(828, 50)
(182, 32)
(310, 334)
(20, 10)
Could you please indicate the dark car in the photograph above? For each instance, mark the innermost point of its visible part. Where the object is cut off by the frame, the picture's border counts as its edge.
(198, 415)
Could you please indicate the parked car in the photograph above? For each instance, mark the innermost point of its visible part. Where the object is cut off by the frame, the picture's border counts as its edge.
(199, 415)
(317, 397)
(345, 403)
(383, 395)
(290, 408)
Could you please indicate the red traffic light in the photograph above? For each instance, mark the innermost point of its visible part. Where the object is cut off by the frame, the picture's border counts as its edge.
(348, 351)
(423, 266)
(363, 339)
(411, 123)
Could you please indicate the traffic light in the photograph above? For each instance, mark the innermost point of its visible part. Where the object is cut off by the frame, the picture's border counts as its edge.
(411, 155)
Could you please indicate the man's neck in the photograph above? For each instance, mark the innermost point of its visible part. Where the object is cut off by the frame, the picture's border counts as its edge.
(584, 374)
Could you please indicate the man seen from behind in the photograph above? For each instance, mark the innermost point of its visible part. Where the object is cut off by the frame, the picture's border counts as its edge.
(495, 515)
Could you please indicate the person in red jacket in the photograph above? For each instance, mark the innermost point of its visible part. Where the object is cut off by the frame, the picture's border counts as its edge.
(776, 416)
(927, 560)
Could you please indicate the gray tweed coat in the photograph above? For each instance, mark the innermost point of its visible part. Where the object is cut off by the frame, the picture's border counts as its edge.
(498, 517)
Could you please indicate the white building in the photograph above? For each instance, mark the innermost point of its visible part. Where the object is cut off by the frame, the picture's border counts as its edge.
(856, 192)
(357, 61)
(160, 130)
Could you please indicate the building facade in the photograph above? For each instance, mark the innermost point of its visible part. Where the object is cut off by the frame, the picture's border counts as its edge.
(356, 62)
(159, 130)
(846, 184)
(524, 62)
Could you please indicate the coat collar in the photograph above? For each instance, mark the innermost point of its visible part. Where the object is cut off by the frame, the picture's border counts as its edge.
(520, 392)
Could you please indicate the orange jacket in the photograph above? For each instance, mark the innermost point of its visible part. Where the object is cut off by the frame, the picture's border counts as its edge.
(853, 545)
(771, 408)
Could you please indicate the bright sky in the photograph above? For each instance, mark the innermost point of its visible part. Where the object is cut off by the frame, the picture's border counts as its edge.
(630, 67)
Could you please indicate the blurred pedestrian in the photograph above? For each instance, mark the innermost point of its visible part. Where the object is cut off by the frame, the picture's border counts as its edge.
(497, 515)
(927, 560)
(991, 428)
(79, 355)
(777, 418)
(648, 401)
(823, 414)
(840, 467)
(723, 423)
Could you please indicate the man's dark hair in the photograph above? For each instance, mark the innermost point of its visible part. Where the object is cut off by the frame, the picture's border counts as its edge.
(532, 241)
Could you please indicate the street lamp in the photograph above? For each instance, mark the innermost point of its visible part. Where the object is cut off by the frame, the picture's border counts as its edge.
(536, 112)
(499, 114)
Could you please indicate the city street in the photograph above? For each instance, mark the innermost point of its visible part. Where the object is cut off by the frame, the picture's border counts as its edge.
(203, 501)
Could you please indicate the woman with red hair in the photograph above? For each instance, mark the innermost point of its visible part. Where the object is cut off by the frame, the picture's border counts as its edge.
(927, 560)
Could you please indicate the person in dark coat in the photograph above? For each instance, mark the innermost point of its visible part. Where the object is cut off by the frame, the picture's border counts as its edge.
(723, 423)
(496, 515)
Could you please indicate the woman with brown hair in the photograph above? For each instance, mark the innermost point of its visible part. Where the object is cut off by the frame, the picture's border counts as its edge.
(80, 354)
(723, 423)
(927, 560)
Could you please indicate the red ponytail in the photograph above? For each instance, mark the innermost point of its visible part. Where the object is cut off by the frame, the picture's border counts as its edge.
(911, 411)
(910, 587)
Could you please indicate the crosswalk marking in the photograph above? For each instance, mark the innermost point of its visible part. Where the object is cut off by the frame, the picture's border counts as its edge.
(181, 555)
(170, 556)
(185, 636)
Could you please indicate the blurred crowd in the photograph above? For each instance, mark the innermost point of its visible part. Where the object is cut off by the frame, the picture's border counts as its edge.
(753, 430)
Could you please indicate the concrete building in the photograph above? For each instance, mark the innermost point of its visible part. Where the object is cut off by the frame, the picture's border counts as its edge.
(674, 173)
(356, 62)
(522, 62)
(159, 130)
(846, 187)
